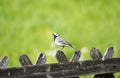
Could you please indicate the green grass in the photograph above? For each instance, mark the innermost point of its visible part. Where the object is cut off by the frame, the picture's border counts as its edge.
(26, 27)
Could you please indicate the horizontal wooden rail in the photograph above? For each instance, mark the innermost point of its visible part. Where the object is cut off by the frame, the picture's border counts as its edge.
(70, 69)
(102, 66)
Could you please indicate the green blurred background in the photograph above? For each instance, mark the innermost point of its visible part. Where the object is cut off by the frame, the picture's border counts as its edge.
(26, 27)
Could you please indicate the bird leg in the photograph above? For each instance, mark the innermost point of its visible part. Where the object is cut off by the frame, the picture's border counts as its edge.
(62, 47)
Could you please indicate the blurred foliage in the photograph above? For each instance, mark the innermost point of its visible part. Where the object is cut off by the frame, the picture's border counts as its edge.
(26, 27)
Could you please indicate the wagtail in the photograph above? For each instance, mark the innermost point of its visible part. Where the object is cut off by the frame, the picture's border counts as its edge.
(61, 42)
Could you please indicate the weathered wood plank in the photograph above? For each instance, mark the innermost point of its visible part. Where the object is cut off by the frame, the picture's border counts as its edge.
(24, 60)
(12, 71)
(96, 55)
(3, 62)
(108, 53)
(41, 59)
(60, 56)
(76, 56)
(71, 69)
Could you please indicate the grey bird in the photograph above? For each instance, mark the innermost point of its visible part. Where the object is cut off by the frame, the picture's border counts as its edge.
(61, 42)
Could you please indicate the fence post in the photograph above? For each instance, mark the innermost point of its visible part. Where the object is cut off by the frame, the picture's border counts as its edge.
(41, 59)
(76, 56)
(101, 66)
(24, 60)
(96, 55)
(4, 62)
(108, 53)
(61, 58)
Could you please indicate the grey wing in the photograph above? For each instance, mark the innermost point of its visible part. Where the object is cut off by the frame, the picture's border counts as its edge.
(61, 40)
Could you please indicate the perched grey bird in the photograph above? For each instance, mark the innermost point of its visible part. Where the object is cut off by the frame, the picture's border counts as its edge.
(61, 42)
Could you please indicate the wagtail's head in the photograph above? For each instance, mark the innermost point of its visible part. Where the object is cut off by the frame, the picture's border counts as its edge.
(55, 35)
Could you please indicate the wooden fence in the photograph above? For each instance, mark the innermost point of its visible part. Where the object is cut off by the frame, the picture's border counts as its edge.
(101, 66)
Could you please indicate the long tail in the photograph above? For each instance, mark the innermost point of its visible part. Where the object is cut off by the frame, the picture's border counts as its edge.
(72, 47)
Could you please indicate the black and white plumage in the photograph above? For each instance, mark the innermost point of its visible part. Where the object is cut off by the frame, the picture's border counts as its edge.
(61, 42)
